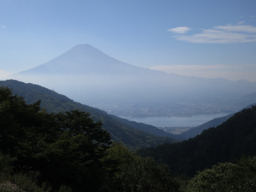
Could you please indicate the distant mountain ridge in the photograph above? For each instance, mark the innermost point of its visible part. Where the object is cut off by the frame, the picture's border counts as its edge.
(134, 135)
(88, 75)
(83, 59)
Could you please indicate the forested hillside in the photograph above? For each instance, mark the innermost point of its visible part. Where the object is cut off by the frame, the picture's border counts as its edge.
(64, 152)
(132, 134)
(230, 141)
(70, 152)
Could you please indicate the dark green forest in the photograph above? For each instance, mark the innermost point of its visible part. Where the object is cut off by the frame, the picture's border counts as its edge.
(230, 141)
(68, 152)
(71, 152)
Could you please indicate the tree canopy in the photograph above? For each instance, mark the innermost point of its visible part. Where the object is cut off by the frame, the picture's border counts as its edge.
(63, 152)
(226, 177)
(64, 147)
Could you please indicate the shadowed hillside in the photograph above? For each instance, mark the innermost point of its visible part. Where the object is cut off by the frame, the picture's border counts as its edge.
(230, 141)
(199, 129)
(135, 135)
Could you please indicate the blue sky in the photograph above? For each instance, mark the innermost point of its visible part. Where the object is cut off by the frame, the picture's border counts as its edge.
(216, 38)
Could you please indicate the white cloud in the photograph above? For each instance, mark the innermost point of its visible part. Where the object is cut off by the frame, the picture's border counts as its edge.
(4, 75)
(222, 34)
(231, 72)
(181, 30)
(238, 28)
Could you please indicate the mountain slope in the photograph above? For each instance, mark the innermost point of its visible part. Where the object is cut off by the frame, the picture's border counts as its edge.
(84, 59)
(199, 129)
(214, 122)
(132, 134)
(87, 75)
(230, 141)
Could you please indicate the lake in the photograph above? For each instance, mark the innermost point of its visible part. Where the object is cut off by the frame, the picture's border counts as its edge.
(190, 121)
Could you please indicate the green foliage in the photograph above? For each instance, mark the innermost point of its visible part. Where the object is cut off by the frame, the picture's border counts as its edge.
(10, 182)
(63, 148)
(136, 174)
(20, 183)
(64, 188)
(5, 166)
(67, 152)
(26, 183)
(226, 177)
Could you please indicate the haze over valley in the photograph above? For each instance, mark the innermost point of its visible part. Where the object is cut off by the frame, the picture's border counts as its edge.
(89, 76)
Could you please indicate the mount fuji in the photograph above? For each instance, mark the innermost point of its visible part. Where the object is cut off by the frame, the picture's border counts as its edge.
(88, 75)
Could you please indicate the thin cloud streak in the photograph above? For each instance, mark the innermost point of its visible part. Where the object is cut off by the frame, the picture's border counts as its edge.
(180, 30)
(238, 28)
(222, 34)
(230, 72)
